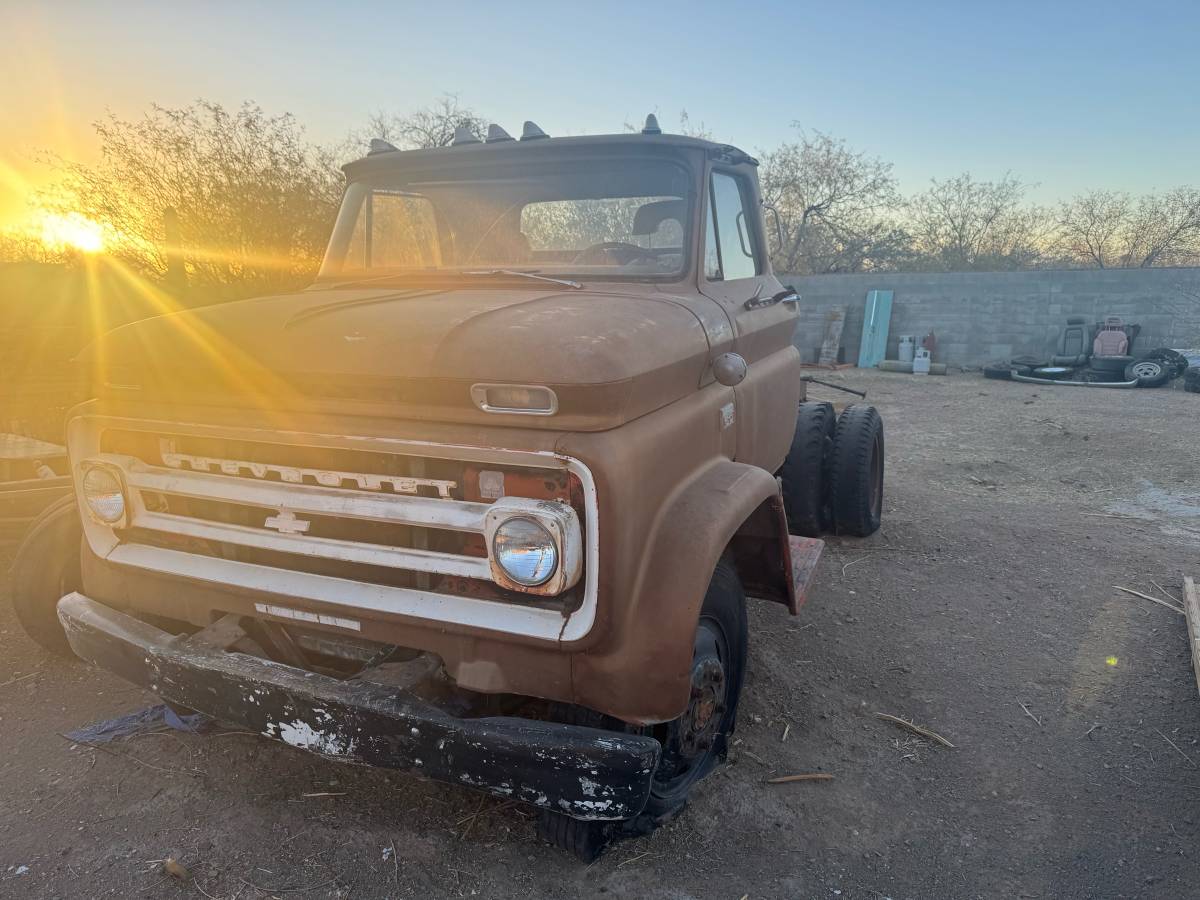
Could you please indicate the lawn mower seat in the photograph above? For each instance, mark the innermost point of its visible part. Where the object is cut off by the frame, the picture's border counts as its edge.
(1111, 339)
(1073, 343)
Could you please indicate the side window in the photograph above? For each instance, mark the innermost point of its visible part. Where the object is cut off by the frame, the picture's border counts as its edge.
(729, 240)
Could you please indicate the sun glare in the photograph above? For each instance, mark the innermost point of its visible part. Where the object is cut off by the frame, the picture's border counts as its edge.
(72, 231)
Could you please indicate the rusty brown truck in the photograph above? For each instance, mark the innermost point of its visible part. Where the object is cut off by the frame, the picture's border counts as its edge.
(486, 501)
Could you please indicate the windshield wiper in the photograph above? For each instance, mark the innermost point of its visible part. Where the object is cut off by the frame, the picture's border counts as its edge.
(566, 282)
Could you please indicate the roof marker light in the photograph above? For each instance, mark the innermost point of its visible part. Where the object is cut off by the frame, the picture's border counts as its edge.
(497, 135)
(463, 135)
(651, 126)
(532, 133)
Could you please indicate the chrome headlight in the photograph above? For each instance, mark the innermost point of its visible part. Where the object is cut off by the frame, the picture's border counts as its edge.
(104, 494)
(525, 551)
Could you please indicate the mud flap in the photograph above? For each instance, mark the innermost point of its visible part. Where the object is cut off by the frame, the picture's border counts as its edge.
(805, 553)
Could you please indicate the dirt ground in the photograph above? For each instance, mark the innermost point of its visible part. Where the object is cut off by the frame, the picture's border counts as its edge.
(984, 610)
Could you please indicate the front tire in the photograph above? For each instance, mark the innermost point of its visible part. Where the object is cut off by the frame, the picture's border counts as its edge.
(692, 744)
(695, 742)
(45, 568)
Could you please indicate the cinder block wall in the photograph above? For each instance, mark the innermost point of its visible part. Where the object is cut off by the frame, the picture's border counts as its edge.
(982, 316)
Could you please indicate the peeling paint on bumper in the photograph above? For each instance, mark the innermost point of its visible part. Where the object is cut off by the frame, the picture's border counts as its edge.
(583, 772)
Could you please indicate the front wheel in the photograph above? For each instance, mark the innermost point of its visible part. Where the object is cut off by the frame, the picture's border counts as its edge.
(692, 744)
(697, 740)
(45, 568)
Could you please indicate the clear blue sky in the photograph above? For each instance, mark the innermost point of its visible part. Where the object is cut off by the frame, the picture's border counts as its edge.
(1068, 94)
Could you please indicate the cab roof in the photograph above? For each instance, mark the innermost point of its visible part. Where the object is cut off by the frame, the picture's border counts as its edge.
(511, 150)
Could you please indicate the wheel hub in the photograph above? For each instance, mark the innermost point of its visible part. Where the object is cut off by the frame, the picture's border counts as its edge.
(706, 708)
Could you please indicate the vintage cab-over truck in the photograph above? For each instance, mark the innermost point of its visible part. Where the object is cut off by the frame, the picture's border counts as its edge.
(486, 500)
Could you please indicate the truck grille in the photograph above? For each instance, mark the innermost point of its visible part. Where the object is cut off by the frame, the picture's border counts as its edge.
(387, 529)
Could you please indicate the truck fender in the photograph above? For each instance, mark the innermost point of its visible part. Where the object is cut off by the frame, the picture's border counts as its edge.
(727, 507)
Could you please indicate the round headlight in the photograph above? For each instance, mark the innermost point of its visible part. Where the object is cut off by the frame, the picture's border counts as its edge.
(525, 551)
(103, 495)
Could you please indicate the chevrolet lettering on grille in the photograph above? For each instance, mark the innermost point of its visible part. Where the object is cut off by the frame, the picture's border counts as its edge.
(400, 484)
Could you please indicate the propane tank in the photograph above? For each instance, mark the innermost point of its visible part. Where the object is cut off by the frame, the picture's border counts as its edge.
(929, 342)
(905, 351)
(921, 362)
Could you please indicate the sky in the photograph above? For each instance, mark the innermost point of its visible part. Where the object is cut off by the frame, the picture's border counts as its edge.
(1066, 95)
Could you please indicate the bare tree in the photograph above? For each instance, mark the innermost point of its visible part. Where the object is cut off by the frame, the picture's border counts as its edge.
(1110, 229)
(25, 246)
(1164, 230)
(430, 126)
(254, 200)
(962, 224)
(1092, 228)
(834, 206)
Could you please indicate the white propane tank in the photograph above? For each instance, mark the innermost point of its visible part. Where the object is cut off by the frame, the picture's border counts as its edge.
(905, 351)
(921, 362)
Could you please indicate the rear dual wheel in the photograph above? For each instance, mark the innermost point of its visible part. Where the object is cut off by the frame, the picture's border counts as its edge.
(805, 472)
(856, 479)
(833, 474)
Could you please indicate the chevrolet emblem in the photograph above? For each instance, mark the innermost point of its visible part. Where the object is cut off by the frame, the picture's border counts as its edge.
(286, 523)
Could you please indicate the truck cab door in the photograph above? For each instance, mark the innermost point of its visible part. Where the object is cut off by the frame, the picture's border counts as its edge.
(735, 274)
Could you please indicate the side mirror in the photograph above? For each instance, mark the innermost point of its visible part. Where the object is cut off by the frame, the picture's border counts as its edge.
(778, 223)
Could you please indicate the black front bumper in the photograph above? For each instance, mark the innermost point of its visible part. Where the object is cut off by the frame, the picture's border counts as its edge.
(582, 772)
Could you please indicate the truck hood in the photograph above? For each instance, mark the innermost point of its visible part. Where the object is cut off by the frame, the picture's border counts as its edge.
(610, 356)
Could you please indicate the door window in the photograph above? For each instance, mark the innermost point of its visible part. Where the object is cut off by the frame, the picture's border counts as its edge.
(730, 252)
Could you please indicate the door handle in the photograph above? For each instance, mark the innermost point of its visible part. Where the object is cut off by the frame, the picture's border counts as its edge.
(787, 296)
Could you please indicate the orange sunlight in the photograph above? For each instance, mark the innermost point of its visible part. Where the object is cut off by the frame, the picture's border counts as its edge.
(72, 231)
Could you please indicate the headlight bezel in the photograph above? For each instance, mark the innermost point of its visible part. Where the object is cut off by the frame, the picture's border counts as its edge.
(559, 521)
(91, 468)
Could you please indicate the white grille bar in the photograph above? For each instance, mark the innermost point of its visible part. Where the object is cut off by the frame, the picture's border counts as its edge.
(325, 548)
(396, 509)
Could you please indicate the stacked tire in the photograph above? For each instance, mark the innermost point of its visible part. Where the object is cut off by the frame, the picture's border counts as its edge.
(833, 475)
(1004, 371)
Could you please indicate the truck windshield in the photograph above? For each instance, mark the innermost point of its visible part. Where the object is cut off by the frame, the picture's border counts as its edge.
(626, 220)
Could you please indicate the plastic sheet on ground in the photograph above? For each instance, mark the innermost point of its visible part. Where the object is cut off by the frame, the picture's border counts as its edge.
(153, 718)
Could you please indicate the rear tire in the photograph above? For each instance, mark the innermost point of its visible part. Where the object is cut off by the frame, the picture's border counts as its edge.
(45, 568)
(856, 489)
(806, 469)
